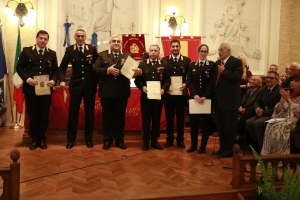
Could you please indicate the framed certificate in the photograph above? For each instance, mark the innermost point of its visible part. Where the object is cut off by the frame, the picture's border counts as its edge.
(153, 90)
(41, 88)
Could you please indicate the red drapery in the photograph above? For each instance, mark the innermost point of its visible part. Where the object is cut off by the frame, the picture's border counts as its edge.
(59, 112)
(189, 45)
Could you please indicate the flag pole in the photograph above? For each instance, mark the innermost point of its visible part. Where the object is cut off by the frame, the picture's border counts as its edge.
(10, 101)
(16, 126)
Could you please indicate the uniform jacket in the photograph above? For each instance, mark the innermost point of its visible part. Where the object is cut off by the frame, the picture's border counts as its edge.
(112, 86)
(30, 65)
(156, 72)
(267, 102)
(199, 77)
(248, 102)
(227, 92)
(83, 77)
(179, 68)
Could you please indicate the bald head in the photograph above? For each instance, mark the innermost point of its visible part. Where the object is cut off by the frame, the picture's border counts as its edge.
(294, 69)
(255, 82)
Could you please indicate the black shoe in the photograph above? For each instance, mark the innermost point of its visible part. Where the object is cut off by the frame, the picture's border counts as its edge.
(121, 145)
(217, 152)
(201, 151)
(89, 145)
(168, 144)
(33, 146)
(43, 145)
(225, 155)
(146, 147)
(106, 145)
(191, 149)
(181, 145)
(156, 146)
(69, 145)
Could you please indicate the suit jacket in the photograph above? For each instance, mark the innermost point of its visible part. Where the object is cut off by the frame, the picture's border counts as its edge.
(248, 102)
(153, 73)
(179, 68)
(111, 86)
(30, 65)
(199, 77)
(83, 77)
(227, 92)
(267, 102)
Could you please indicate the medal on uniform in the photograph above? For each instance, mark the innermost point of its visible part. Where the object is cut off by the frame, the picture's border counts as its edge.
(89, 58)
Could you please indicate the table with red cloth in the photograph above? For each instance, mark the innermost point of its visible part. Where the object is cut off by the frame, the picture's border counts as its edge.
(60, 105)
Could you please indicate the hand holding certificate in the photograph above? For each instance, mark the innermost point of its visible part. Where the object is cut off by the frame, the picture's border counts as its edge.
(197, 108)
(176, 84)
(153, 90)
(129, 65)
(41, 88)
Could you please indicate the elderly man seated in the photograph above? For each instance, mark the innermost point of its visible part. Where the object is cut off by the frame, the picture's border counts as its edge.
(246, 109)
(264, 107)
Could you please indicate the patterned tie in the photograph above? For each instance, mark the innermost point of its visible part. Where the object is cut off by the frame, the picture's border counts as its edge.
(218, 76)
(40, 53)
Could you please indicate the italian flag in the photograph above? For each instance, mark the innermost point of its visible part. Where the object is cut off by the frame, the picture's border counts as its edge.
(18, 82)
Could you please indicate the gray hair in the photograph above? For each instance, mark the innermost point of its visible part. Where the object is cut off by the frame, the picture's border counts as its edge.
(154, 45)
(113, 36)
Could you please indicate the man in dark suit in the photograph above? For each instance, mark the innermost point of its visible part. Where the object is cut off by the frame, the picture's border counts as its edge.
(268, 97)
(152, 70)
(82, 85)
(34, 61)
(176, 104)
(225, 86)
(294, 72)
(199, 77)
(246, 110)
(114, 90)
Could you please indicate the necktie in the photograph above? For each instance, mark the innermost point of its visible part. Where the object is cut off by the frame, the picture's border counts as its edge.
(218, 76)
(40, 53)
(116, 55)
(175, 59)
(266, 97)
(201, 64)
(80, 50)
(153, 62)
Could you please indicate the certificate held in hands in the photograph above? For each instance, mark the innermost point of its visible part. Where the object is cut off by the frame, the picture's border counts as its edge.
(153, 90)
(176, 83)
(129, 65)
(196, 108)
(41, 88)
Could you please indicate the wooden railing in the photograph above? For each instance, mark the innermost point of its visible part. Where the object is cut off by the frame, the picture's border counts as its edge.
(246, 173)
(11, 178)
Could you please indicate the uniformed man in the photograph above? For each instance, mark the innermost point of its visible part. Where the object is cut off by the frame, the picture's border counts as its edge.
(199, 76)
(82, 84)
(152, 70)
(114, 90)
(34, 61)
(176, 104)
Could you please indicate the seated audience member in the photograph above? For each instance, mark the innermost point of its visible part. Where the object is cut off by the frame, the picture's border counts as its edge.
(273, 67)
(246, 109)
(264, 107)
(277, 135)
(294, 72)
(246, 75)
(285, 76)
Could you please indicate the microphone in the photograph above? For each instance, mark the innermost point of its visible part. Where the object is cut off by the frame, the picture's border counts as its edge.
(218, 61)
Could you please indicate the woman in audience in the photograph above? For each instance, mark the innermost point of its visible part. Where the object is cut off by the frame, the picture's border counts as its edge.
(277, 133)
(244, 76)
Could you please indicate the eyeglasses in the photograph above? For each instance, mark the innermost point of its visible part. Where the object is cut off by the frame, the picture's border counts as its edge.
(203, 51)
(270, 77)
(116, 41)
